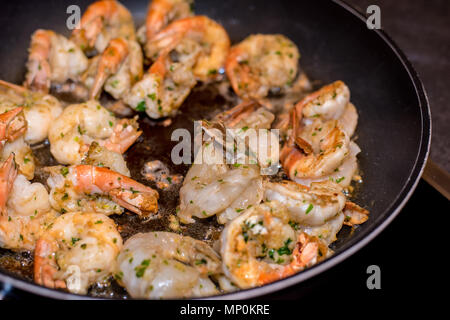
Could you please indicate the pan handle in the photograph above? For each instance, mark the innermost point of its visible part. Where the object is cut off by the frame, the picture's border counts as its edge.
(437, 177)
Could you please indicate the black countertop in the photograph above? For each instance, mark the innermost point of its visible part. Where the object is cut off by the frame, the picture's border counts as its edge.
(404, 249)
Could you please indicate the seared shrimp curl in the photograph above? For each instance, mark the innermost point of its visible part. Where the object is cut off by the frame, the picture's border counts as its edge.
(115, 70)
(101, 22)
(311, 206)
(39, 109)
(78, 250)
(167, 83)
(12, 129)
(260, 63)
(52, 59)
(25, 212)
(81, 124)
(163, 12)
(260, 246)
(167, 265)
(97, 189)
(209, 34)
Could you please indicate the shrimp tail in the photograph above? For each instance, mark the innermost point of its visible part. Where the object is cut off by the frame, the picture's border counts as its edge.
(295, 148)
(354, 214)
(45, 265)
(127, 192)
(236, 114)
(39, 70)
(126, 132)
(12, 125)
(110, 62)
(8, 173)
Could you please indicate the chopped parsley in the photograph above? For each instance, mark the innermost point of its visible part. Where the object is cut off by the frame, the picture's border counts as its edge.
(141, 106)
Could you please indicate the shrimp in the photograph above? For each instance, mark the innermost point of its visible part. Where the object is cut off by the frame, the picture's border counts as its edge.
(262, 144)
(97, 189)
(40, 110)
(52, 59)
(167, 83)
(326, 232)
(209, 34)
(212, 187)
(167, 265)
(12, 128)
(25, 209)
(331, 102)
(260, 63)
(260, 246)
(311, 206)
(342, 174)
(315, 151)
(101, 22)
(115, 70)
(24, 157)
(220, 190)
(102, 157)
(354, 214)
(109, 63)
(12, 125)
(81, 124)
(78, 250)
(162, 12)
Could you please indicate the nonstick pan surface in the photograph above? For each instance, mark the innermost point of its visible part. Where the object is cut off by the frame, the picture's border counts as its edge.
(394, 127)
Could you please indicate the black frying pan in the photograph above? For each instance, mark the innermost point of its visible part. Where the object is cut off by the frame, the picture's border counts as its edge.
(394, 128)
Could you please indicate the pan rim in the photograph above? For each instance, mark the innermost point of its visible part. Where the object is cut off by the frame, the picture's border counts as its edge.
(391, 212)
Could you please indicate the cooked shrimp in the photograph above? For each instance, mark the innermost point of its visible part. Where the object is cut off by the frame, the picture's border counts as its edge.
(260, 63)
(101, 22)
(354, 214)
(102, 157)
(311, 206)
(260, 246)
(8, 174)
(220, 190)
(12, 128)
(167, 83)
(24, 157)
(109, 63)
(343, 174)
(40, 110)
(209, 34)
(26, 214)
(12, 125)
(326, 232)
(331, 102)
(262, 144)
(167, 265)
(78, 250)
(248, 114)
(161, 13)
(131, 71)
(97, 189)
(115, 70)
(52, 59)
(315, 151)
(81, 124)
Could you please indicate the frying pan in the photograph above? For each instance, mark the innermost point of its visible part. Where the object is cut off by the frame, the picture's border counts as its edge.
(394, 128)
